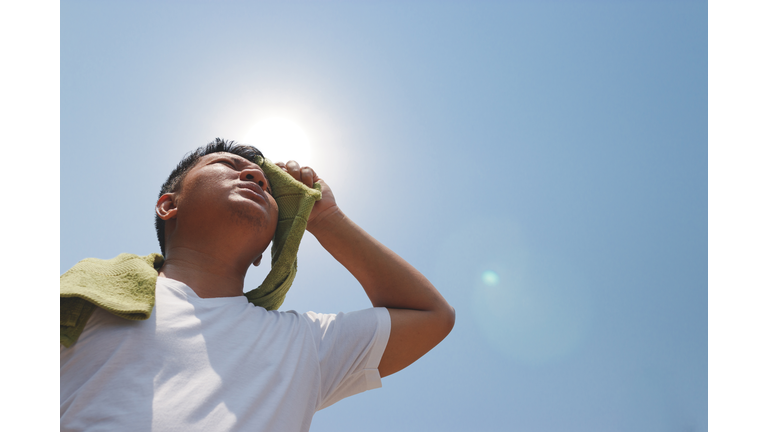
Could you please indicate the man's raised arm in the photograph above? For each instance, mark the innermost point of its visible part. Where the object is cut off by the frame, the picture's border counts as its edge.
(420, 316)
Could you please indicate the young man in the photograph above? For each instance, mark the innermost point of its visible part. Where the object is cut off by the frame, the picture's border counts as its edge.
(207, 359)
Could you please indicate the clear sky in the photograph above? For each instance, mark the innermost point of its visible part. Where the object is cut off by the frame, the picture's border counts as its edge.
(543, 163)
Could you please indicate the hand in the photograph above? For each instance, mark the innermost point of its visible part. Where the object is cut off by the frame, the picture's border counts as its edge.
(323, 207)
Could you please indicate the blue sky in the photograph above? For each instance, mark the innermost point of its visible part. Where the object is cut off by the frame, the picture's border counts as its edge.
(558, 148)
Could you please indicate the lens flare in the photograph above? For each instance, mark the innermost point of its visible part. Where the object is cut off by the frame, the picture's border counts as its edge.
(490, 278)
(533, 309)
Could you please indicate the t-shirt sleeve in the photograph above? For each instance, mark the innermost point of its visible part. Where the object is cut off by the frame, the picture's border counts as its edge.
(349, 346)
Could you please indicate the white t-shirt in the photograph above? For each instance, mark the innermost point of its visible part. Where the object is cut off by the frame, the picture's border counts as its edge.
(217, 364)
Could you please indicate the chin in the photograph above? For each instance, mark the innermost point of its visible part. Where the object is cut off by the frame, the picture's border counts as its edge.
(255, 222)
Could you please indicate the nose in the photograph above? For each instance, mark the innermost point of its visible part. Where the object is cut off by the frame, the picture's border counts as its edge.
(254, 175)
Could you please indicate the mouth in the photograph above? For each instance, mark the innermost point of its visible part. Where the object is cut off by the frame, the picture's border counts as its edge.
(253, 189)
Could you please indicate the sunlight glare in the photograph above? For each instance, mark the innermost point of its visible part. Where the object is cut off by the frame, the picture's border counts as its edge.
(280, 140)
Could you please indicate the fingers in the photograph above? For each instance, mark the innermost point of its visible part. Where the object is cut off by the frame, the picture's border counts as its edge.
(294, 169)
(308, 176)
(305, 174)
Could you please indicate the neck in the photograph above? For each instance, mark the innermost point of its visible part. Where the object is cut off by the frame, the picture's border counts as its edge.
(209, 275)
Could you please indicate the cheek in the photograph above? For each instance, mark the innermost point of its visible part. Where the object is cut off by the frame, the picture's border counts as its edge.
(211, 184)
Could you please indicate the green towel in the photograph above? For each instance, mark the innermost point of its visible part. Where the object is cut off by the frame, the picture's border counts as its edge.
(294, 204)
(125, 285)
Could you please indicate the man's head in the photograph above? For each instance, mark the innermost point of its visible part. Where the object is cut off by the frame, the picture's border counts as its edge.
(175, 182)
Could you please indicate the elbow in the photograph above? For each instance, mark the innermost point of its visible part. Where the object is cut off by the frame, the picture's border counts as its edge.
(448, 319)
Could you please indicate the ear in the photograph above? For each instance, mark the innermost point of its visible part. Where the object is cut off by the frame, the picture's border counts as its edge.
(257, 262)
(166, 207)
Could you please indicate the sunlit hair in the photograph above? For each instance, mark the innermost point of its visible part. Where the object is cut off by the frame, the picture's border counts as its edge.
(173, 184)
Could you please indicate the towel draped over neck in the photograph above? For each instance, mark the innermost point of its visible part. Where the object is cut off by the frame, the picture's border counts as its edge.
(125, 285)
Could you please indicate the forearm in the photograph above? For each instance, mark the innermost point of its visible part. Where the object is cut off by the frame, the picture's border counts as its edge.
(388, 280)
(419, 316)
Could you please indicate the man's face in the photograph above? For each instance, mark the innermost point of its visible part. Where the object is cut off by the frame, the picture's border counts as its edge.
(224, 188)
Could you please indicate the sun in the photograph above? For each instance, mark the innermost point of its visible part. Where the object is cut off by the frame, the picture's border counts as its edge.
(280, 140)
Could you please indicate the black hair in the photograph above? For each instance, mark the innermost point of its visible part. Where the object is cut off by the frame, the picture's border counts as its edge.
(173, 183)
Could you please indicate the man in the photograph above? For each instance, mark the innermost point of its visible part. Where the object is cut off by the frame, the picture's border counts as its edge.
(207, 359)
